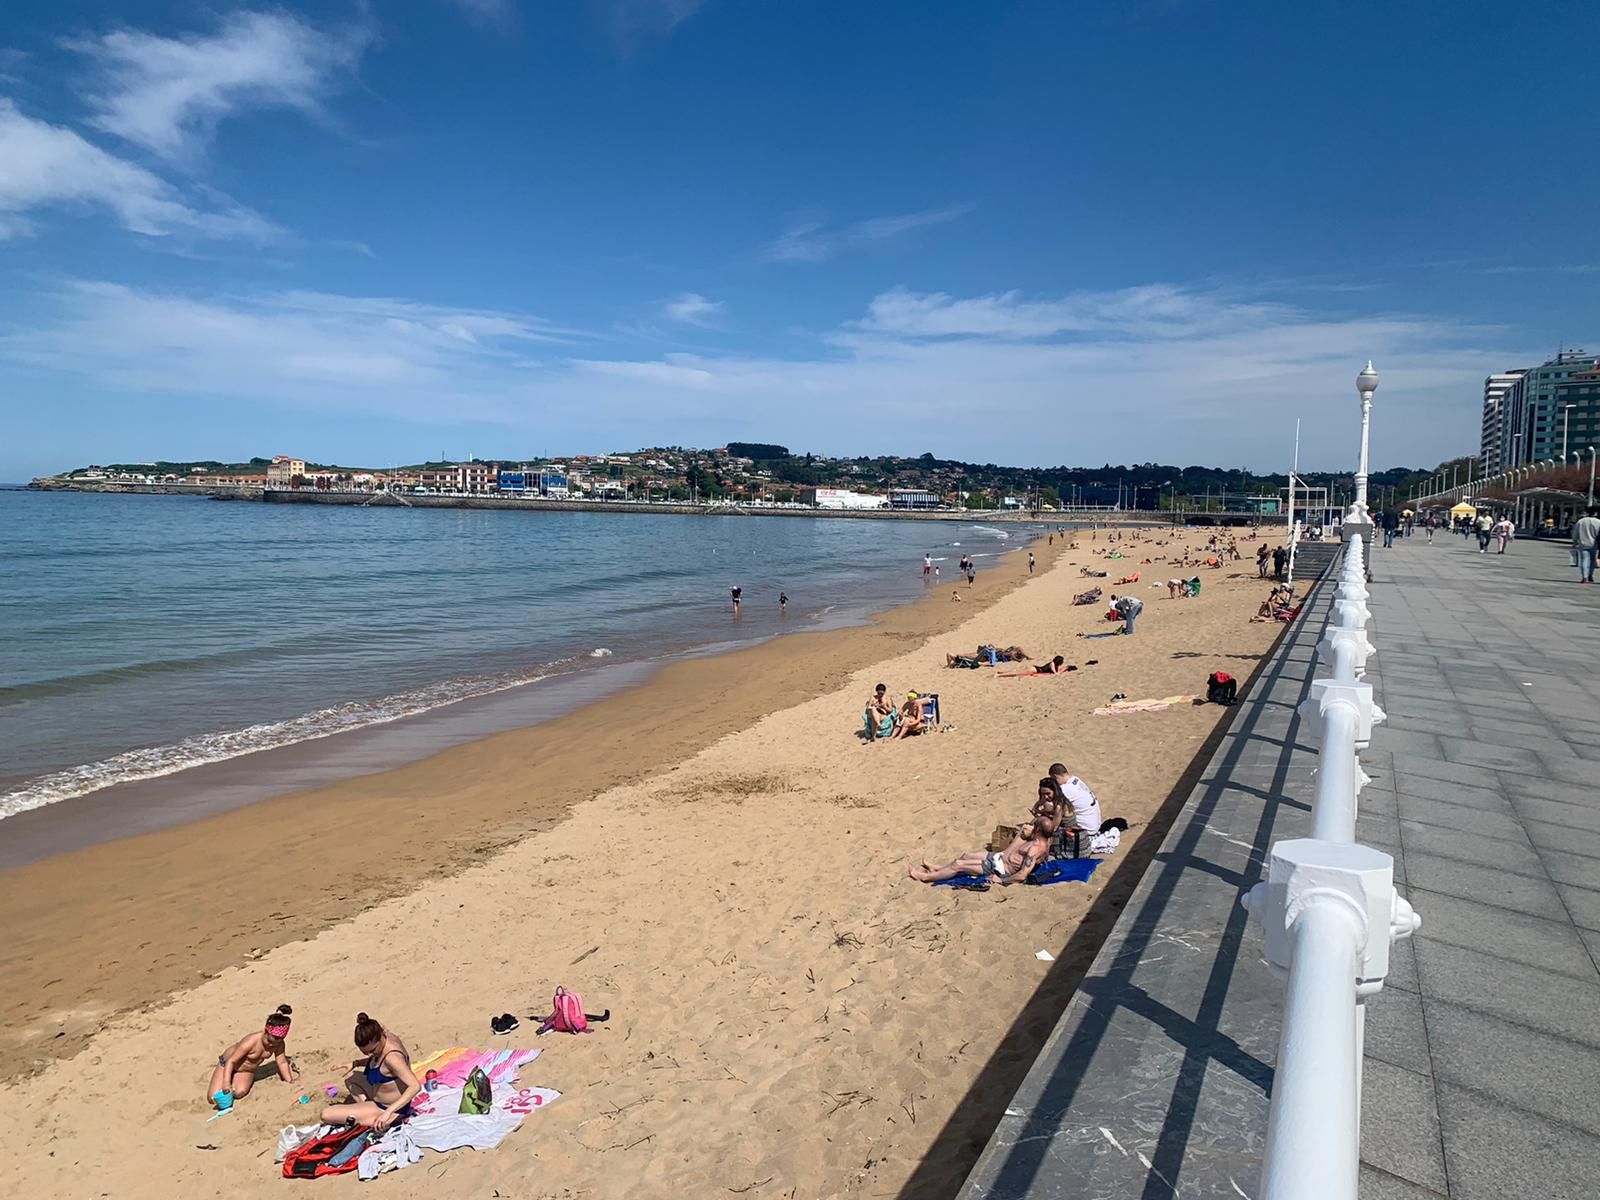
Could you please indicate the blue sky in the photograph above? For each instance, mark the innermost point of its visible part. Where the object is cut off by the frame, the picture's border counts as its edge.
(1029, 233)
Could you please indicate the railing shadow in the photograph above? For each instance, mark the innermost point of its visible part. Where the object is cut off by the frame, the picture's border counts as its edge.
(957, 1148)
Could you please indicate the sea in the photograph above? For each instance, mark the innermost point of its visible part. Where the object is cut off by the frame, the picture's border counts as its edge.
(142, 637)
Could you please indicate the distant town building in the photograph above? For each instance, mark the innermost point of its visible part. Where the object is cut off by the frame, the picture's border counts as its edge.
(1582, 430)
(1496, 390)
(282, 469)
(1530, 411)
(912, 498)
(841, 498)
(462, 478)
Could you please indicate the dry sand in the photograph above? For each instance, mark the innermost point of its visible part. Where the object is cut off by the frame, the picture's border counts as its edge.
(793, 1017)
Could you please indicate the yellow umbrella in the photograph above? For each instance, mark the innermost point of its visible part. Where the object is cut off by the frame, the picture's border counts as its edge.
(1463, 510)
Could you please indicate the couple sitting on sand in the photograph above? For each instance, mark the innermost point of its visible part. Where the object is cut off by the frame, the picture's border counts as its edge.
(382, 1085)
(880, 719)
(1061, 795)
(1278, 606)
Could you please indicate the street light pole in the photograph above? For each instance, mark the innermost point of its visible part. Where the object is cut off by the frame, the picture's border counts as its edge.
(1566, 411)
(1366, 384)
(1591, 476)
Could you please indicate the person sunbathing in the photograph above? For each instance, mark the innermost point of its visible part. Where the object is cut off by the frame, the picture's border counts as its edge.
(1056, 666)
(1028, 849)
(910, 718)
(382, 1085)
(981, 656)
(877, 718)
(235, 1073)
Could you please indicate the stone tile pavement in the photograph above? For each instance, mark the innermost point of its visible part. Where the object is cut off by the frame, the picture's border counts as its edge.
(1483, 1052)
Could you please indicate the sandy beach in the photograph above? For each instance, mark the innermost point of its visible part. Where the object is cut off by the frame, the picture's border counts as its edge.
(714, 856)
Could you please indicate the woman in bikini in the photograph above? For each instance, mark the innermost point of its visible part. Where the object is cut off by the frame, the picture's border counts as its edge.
(382, 1085)
(235, 1072)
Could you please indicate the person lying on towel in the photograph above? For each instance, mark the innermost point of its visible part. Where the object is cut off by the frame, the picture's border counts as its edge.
(1029, 848)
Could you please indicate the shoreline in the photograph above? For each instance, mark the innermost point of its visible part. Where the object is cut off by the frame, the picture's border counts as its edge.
(722, 691)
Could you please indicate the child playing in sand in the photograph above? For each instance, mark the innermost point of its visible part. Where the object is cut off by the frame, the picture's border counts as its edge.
(1027, 850)
(235, 1073)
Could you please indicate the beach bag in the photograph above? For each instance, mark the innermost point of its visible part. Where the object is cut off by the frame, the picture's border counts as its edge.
(566, 1014)
(1001, 838)
(477, 1097)
(1221, 688)
(315, 1159)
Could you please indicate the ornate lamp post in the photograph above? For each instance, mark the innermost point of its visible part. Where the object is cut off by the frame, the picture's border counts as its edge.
(1366, 384)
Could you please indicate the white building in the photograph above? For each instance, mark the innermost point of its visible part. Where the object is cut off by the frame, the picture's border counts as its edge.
(1493, 451)
(841, 498)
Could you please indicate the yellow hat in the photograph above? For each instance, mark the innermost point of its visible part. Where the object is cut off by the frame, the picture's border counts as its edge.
(911, 695)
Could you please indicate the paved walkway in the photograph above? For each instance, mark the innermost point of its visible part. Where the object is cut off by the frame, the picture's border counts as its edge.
(1483, 1052)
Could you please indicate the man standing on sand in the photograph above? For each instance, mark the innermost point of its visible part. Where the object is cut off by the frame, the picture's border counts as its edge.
(1280, 560)
(1263, 553)
(1586, 541)
(1030, 562)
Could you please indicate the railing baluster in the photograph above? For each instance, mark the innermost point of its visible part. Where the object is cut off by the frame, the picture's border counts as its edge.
(1328, 906)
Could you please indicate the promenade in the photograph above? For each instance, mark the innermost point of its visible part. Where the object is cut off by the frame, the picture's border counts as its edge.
(1483, 1050)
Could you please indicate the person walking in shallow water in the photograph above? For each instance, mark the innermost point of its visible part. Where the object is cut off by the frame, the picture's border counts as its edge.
(737, 593)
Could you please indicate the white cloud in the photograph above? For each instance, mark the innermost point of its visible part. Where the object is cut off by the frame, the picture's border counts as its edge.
(691, 308)
(809, 239)
(50, 166)
(630, 19)
(1154, 311)
(167, 94)
(1164, 373)
(495, 13)
(370, 354)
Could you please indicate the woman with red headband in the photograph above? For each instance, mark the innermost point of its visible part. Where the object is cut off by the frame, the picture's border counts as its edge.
(236, 1066)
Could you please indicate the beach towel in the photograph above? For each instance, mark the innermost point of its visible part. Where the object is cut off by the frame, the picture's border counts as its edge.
(1060, 870)
(1063, 870)
(970, 883)
(1113, 633)
(1133, 706)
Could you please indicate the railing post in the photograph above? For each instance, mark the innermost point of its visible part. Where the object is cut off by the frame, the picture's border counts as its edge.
(1328, 907)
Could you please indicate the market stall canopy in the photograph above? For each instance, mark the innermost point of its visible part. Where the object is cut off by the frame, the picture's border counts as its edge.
(1463, 510)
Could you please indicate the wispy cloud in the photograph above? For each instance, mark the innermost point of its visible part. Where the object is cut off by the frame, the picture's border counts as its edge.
(691, 308)
(1195, 374)
(632, 19)
(497, 14)
(810, 239)
(168, 94)
(49, 166)
(1152, 311)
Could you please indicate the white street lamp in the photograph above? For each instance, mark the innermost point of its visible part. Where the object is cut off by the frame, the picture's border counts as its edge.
(1591, 476)
(1566, 411)
(1366, 384)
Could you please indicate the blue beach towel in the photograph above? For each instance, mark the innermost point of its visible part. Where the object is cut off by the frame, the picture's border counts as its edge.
(1057, 870)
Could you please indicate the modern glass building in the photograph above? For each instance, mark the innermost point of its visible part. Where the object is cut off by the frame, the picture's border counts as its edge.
(1538, 411)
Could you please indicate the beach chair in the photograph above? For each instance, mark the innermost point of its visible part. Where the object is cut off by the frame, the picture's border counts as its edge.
(930, 707)
(1191, 587)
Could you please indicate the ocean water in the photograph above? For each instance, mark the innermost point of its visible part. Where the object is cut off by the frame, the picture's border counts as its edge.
(141, 636)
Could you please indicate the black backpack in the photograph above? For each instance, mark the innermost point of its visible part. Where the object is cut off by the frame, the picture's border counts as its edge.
(1222, 688)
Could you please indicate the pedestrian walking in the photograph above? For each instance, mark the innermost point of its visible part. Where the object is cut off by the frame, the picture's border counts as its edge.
(1585, 543)
(1503, 531)
(1485, 527)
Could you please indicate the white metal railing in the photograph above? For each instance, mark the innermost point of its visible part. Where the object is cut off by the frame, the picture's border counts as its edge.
(1329, 907)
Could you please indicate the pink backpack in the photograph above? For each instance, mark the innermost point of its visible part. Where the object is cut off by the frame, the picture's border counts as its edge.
(567, 1015)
